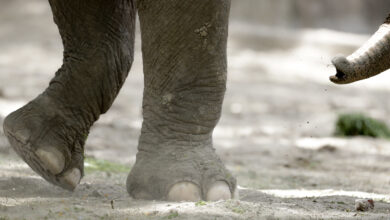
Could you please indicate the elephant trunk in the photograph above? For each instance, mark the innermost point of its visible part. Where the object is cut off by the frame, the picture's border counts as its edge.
(369, 60)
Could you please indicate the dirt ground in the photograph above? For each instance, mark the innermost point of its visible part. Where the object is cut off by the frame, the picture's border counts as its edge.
(275, 134)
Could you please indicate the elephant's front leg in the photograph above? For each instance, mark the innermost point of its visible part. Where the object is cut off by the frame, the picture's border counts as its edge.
(184, 54)
(49, 132)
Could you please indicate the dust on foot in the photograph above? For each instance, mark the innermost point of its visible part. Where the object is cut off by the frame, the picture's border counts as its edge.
(179, 174)
(46, 142)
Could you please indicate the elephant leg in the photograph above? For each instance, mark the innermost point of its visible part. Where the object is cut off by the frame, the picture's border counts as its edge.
(49, 132)
(369, 60)
(184, 55)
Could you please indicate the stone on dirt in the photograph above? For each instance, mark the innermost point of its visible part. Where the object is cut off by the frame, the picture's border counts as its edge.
(364, 205)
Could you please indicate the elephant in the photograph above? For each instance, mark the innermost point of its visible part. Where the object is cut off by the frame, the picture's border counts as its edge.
(184, 47)
(369, 60)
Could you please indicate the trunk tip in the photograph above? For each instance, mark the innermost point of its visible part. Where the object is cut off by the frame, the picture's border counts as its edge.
(337, 79)
(342, 66)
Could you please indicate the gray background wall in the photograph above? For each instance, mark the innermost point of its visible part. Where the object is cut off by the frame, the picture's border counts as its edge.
(359, 16)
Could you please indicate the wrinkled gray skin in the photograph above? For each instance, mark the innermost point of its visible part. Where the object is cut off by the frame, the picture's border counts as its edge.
(184, 55)
(369, 60)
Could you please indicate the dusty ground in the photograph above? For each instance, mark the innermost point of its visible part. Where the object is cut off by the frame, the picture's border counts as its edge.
(275, 134)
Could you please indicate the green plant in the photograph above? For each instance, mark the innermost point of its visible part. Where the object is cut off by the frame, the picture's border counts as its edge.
(358, 124)
(173, 214)
(200, 203)
(93, 165)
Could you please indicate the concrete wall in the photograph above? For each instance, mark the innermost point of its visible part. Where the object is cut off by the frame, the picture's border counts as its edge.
(359, 16)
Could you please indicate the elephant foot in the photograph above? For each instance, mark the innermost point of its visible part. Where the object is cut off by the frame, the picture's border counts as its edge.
(178, 174)
(48, 140)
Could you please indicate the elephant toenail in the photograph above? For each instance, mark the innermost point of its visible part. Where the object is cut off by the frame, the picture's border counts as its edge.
(71, 178)
(219, 191)
(184, 191)
(52, 159)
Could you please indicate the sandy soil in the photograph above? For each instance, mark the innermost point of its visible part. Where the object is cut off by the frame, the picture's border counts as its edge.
(275, 134)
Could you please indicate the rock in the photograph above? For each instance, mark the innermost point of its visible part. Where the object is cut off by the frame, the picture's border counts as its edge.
(327, 148)
(364, 205)
(96, 193)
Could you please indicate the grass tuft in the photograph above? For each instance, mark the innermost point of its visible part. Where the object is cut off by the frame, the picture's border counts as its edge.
(201, 203)
(360, 125)
(96, 165)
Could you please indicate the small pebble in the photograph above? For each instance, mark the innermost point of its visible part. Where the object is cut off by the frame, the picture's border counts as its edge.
(96, 193)
(364, 205)
(88, 186)
(112, 204)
